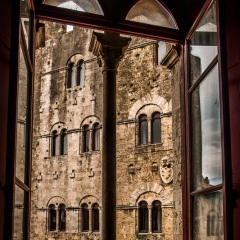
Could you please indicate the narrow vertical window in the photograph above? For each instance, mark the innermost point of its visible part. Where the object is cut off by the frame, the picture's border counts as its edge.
(157, 216)
(71, 75)
(143, 129)
(52, 217)
(143, 217)
(95, 217)
(86, 138)
(80, 73)
(64, 142)
(156, 128)
(62, 217)
(54, 143)
(85, 218)
(96, 137)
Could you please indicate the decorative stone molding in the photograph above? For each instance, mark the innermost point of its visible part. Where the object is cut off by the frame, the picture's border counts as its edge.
(166, 170)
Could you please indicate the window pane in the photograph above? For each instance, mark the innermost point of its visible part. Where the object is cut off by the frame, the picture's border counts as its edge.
(156, 217)
(90, 6)
(143, 217)
(54, 143)
(52, 217)
(151, 12)
(203, 44)
(156, 128)
(206, 133)
(64, 142)
(25, 17)
(208, 216)
(22, 119)
(95, 218)
(19, 213)
(85, 218)
(62, 217)
(143, 129)
(86, 139)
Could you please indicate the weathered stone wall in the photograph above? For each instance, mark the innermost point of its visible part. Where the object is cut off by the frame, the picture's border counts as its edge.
(143, 86)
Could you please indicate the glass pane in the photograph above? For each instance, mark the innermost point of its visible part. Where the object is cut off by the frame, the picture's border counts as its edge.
(206, 133)
(203, 44)
(21, 119)
(18, 213)
(156, 131)
(90, 6)
(97, 139)
(156, 217)
(25, 17)
(144, 132)
(143, 217)
(151, 12)
(208, 216)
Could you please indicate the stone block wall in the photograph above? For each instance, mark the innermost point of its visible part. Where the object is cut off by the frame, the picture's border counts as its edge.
(143, 86)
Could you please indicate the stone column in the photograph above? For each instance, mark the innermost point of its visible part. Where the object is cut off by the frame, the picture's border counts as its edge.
(90, 220)
(109, 48)
(150, 219)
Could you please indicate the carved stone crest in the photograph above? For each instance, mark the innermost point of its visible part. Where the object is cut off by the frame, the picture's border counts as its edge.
(166, 170)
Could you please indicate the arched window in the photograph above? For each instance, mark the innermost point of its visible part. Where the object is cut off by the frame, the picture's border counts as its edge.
(52, 214)
(143, 129)
(157, 216)
(71, 75)
(86, 138)
(95, 217)
(80, 73)
(62, 217)
(64, 142)
(85, 218)
(214, 224)
(143, 217)
(54, 143)
(156, 128)
(96, 137)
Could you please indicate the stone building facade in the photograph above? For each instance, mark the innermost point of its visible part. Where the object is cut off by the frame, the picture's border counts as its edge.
(66, 162)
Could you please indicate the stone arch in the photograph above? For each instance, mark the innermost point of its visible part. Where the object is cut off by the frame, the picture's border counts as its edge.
(58, 126)
(89, 200)
(146, 188)
(90, 121)
(75, 58)
(150, 98)
(55, 200)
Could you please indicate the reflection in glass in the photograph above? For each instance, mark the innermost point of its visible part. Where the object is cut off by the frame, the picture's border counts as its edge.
(143, 129)
(156, 128)
(151, 12)
(206, 132)
(203, 44)
(25, 17)
(18, 213)
(208, 216)
(21, 118)
(90, 6)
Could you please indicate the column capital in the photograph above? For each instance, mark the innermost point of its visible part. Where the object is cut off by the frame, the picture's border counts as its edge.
(109, 48)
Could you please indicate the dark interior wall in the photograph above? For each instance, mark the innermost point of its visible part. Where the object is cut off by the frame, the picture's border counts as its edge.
(233, 64)
(5, 35)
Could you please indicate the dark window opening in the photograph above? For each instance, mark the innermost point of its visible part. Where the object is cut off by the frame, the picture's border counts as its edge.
(71, 76)
(157, 216)
(86, 139)
(62, 217)
(143, 129)
(96, 137)
(80, 73)
(52, 214)
(64, 142)
(143, 217)
(54, 143)
(85, 218)
(95, 217)
(156, 128)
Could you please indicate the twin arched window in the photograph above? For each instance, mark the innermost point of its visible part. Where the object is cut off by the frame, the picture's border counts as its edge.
(63, 143)
(91, 141)
(57, 218)
(156, 217)
(86, 221)
(75, 75)
(155, 128)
